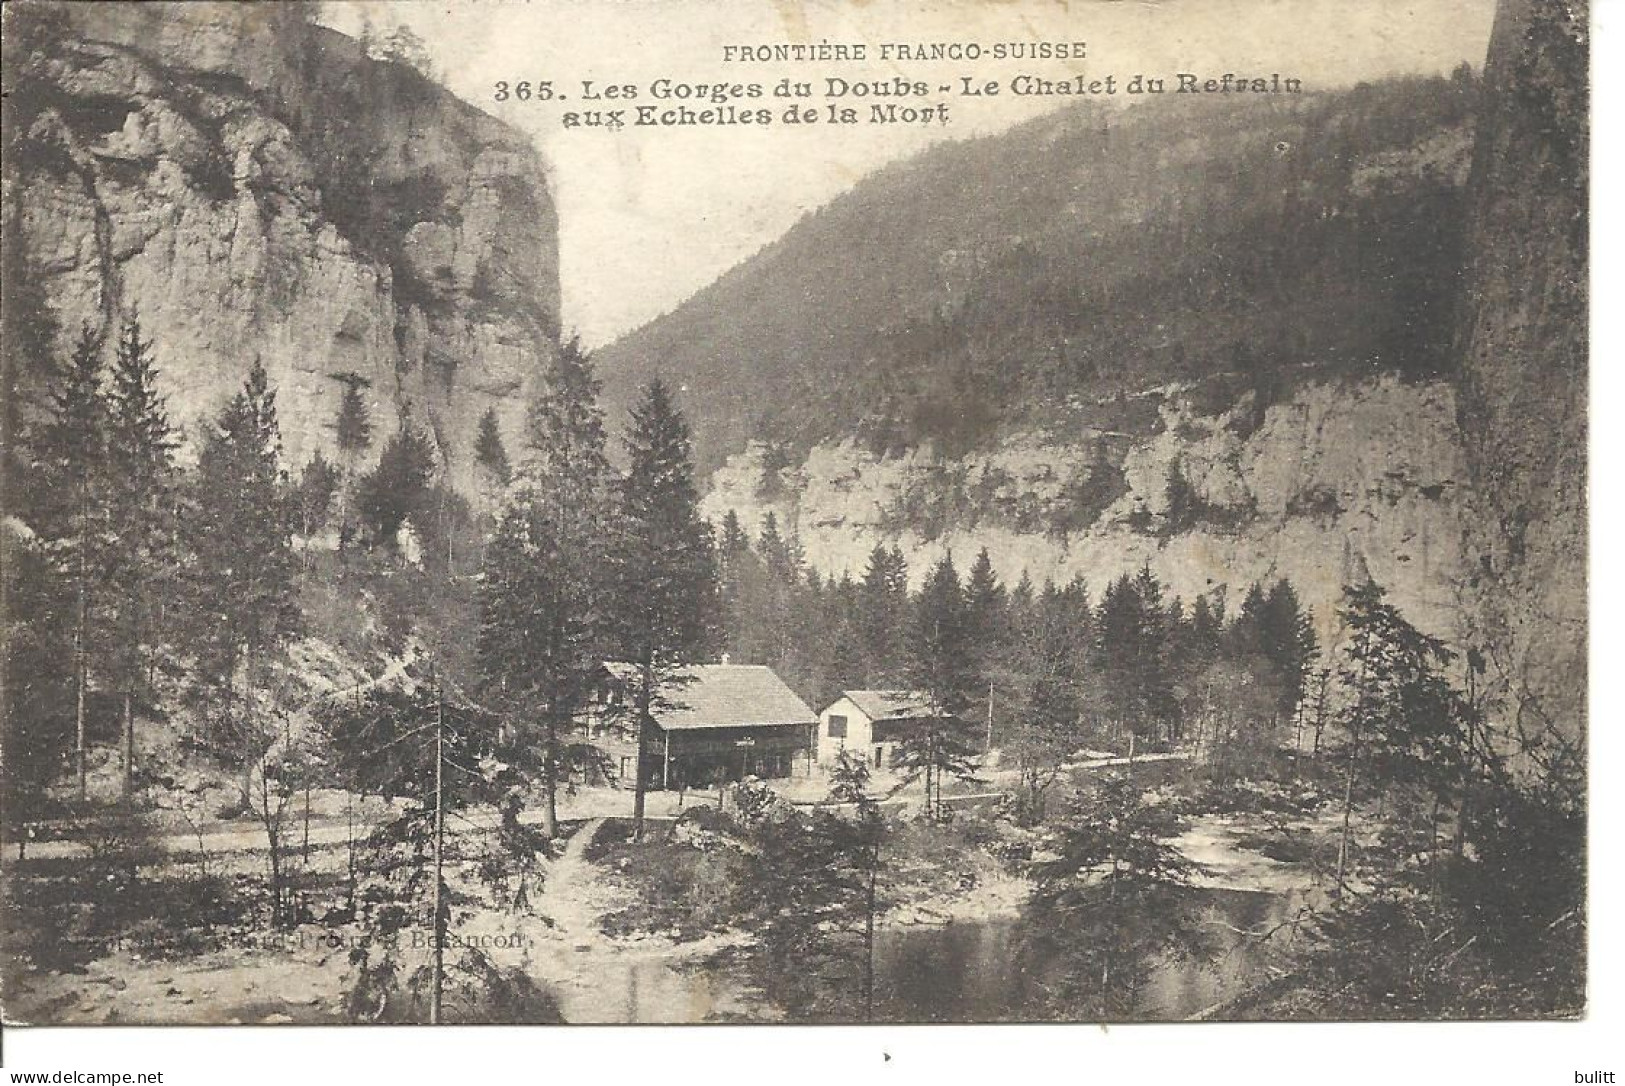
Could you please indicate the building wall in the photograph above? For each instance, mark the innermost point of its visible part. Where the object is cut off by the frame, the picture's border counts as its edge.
(698, 755)
(859, 732)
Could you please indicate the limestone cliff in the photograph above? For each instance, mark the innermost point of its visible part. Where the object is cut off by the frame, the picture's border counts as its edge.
(1338, 480)
(253, 185)
(1524, 362)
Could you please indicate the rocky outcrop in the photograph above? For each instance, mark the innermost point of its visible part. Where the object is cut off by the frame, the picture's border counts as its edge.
(1337, 481)
(1524, 364)
(254, 186)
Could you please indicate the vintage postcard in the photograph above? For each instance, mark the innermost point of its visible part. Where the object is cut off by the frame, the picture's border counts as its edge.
(627, 512)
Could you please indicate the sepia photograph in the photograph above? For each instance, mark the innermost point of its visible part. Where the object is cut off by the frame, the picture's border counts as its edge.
(600, 513)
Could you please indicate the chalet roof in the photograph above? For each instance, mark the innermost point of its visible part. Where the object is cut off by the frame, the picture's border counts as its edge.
(889, 704)
(727, 696)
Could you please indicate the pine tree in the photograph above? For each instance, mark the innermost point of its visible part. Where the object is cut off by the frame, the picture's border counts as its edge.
(36, 599)
(744, 590)
(243, 587)
(781, 605)
(434, 755)
(1401, 721)
(354, 423)
(141, 448)
(542, 631)
(1289, 640)
(490, 455)
(318, 486)
(354, 438)
(1130, 656)
(987, 627)
(74, 452)
(664, 568)
(1110, 902)
(400, 488)
(859, 843)
(942, 668)
(1045, 694)
(883, 617)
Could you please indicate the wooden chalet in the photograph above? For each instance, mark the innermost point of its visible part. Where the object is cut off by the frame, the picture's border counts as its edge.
(725, 723)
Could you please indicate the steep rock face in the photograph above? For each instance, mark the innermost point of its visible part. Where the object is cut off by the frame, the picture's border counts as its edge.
(1340, 480)
(253, 185)
(1524, 360)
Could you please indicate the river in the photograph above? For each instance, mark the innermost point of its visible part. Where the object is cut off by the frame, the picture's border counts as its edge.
(966, 971)
(971, 972)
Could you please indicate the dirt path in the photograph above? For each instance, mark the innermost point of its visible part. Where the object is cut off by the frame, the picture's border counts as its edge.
(565, 893)
(598, 979)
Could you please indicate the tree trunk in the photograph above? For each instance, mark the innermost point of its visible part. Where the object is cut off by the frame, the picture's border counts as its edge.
(869, 940)
(81, 650)
(437, 981)
(645, 699)
(1348, 812)
(129, 744)
(349, 845)
(550, 811)
(273, 838)
(248, 720)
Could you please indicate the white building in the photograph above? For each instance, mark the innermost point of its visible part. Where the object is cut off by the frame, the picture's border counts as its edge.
(870, 721)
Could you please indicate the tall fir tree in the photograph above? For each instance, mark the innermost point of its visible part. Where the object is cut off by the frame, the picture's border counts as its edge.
(146, 567)
(1402, 723)
(245, 605)
(36, 600)
(319, 484)
(664, 568)
(883, 617)
(987, 619)
(1044, 692)
(400, 490)
(74, 454)
(1290, 643)
(490, 454)
(353, 427)
(543, 628)
(942, 667)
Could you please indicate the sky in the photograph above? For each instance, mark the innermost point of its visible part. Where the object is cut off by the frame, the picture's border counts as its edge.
(648, 216)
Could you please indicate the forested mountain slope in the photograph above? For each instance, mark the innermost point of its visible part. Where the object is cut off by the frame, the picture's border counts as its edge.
(1012, 281)
(1214, 337)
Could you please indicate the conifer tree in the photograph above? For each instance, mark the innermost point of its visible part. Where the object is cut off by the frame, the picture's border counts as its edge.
(243, 586)
(987, 628)
(543, 628)
(1110, 902)
(354, 437)
(743, 589)
(664, 568)
(943, 669)
(74, 452)
(1290, 643)
(1045, 695)
(848, 664)
(490, 455)
(883, 616)
(782, 605)
(141, 448)
(318, 485)
(1401, 720)
(400, 488)
(36, 600)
